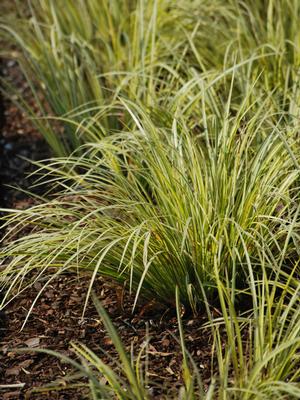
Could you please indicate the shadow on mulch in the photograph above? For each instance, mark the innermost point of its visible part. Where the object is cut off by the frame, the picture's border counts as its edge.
(19, 141)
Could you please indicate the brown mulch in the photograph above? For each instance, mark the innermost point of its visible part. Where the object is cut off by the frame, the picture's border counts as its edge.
(56, 320)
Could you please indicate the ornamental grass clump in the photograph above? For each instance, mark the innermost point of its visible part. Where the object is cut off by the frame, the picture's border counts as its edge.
(77, 56)
(164, 205)
(178, 172)
(81, 55)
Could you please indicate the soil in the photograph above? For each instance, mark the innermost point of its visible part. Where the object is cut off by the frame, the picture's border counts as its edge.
(56, 318)
(19, 142)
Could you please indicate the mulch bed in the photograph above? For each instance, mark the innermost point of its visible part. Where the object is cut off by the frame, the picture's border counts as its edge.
(56, 319)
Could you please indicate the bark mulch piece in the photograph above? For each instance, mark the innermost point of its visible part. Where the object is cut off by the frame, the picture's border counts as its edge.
(56, 320)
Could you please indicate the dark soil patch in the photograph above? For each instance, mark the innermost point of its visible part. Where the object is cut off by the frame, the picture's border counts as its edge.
(19, 141)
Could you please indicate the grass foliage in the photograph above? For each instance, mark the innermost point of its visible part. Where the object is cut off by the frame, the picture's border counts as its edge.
(178, 168)
(84, 54)
(79, 55)
(159, 201)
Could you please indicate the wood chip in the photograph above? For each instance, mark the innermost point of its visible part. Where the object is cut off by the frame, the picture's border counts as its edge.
(33, 342)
